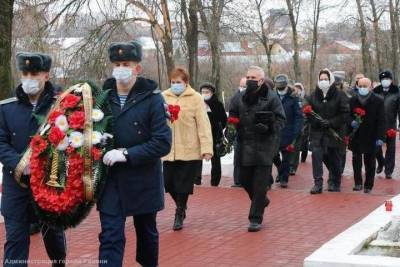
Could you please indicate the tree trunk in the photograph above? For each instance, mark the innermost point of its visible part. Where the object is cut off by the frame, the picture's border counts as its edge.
(6, 17)
(364, 42)
(296, 60)
(314, 45)
(394, 40)
(396, 19)
(378, 50)
(216, 61)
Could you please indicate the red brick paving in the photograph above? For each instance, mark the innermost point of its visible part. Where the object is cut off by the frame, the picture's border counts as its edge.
(215, 232)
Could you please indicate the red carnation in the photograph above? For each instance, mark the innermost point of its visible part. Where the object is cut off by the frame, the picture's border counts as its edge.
(290, 148)
(38, 144)
(53, 116)
(174, 111)
(347, 140)
(233, 120)
(70, 101)
(391, 133)
(56, 135)
(96, 153)
(360, 112)
(70, 150)
(77, 120)
(307, 109)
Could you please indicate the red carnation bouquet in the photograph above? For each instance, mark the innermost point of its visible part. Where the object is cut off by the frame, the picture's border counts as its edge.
(358, 114)
(308, 111)
(231, 130)
(391, 133)
(174, 110)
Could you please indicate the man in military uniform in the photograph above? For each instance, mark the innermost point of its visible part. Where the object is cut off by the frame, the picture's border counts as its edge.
(34, 95)
(142, 137)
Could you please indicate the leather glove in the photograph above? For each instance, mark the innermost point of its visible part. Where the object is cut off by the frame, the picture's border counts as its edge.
(355, 124)
(325, 124)
(379, 142)
(261, 128)
(27, 170)
(114, 156)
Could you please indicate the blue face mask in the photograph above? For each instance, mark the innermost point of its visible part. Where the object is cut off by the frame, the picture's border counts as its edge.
(177, 88)
(363, 91)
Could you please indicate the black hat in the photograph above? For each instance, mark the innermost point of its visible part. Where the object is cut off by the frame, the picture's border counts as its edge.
(385, 74)
(27, 61)
(208, 86)
(281, 80)
(125, 51)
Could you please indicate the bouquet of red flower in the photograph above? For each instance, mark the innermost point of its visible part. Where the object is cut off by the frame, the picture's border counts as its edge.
(308, 111)
(358, 114)
(290, 148)
(231, 130)
(65, 156)
(391, 133)
(173, 112)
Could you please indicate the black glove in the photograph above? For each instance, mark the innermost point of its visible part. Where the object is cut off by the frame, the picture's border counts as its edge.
(262, 128)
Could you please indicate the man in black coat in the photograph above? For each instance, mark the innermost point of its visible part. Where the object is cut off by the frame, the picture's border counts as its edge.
(134, 186)
(261, 118)
(34, 96)
(293, 126)
(217, 115)
(368, 135)
(332, 106)
(391, 95)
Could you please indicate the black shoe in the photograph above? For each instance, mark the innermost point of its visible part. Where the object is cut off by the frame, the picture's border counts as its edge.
(336, 189)
(178, 223)
(388, 176)
(357, 187)
(197, 181)
(292, 171)
(316, 190)
(284, 184)
(254, 227)
(278, 179)
(331, 188)
(34, 228)
(379, 169)
(236, 185)
(367, 190)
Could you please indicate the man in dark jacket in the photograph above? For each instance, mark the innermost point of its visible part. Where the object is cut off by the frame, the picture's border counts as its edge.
(217, 115)
(367, 135)
(261, 119)
(391, 96)
(34, 96)
(236, 164)
(293, 126)
(332, 106)
(134, 186)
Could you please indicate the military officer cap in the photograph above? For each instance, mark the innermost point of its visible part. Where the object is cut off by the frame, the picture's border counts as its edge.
(281, 81)
(27, 61)
(125, 51)
(386, 74)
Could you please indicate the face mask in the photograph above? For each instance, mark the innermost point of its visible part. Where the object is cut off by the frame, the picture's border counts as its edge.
(363, 91)
(386, 83)
(324, 86)
(281, 91)
(241, 89)
(30, 86)
(177, 88)
(251, 86)
(122, 74)
(207, 97)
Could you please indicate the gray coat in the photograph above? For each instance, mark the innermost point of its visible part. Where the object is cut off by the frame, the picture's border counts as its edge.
(258, 148)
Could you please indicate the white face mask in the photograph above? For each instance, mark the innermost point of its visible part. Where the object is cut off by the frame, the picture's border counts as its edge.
(324, 86)
(30, 86)
(241, 89)
(207, 97)
(363, 91)
(122, 74)
(386, 83)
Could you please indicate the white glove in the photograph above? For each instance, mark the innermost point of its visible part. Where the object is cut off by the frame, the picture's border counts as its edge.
(27, 170)
(113, 156)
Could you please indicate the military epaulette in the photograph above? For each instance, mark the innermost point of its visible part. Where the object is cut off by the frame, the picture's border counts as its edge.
(157, 91)
(8, 100)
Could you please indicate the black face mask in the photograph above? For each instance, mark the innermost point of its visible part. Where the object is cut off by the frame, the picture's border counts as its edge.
(252, 86)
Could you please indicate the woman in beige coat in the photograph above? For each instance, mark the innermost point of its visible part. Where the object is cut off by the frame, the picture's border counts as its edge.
(191, 142)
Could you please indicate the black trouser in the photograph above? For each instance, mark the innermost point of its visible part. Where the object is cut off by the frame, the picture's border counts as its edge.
(370, 166)
(332, 159)
(215, 171)
(255, 180)
(283, 165)
(16, 247)
(236, 164)
(389, 160)
(180, 200)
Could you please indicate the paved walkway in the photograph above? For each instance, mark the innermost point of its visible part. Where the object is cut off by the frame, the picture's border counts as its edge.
(215, 232)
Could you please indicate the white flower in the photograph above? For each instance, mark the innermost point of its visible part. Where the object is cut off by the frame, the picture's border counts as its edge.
(76, 139)
(62, 123)
(97, 115)
(44, 129)
(96, 137)
(63, 144)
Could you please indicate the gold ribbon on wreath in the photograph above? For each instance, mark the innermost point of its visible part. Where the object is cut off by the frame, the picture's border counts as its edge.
(87, 145)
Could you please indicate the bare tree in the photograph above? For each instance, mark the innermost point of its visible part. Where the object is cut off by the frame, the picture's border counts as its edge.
(376, 15)
(314, 42)
(394, 39)
(293, 7)
(366, 58)
(6, 18)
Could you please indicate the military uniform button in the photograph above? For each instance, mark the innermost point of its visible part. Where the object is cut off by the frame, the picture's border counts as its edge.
(13, 134)
(139, 132)
(135, 123)
(11, 172)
